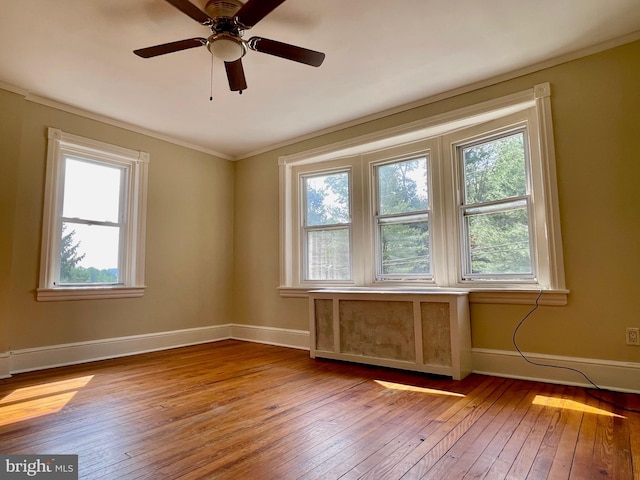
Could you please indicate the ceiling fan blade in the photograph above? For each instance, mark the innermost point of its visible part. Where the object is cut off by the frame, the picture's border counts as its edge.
(235, 75)
(190, 9)
(255, 10)
(170, 47)
(284, 50)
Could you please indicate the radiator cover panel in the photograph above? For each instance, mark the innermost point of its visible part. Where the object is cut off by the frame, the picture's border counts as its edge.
(427, 332)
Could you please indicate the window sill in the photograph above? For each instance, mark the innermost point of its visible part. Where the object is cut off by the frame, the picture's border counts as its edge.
(87, 293)
(511, 296)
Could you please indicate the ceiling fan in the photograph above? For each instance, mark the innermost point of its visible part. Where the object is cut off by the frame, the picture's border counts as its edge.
(228, 19)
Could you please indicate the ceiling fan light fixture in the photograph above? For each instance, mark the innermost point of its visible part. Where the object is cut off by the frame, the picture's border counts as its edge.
(226, 47)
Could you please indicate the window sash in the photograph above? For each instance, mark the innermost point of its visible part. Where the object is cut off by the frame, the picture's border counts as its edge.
(377, 167)
(486, 139)
(60, 281)
(90, 220)
(99, 169)
(121, 224)
(404, 220)
(408, 217)
(309, 268)
(469, 210)
(507, 206)
(305, 189)
(309, 228)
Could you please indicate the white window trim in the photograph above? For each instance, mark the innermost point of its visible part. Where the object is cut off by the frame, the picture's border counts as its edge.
(552, 285)
(454, 233)
(60, 143)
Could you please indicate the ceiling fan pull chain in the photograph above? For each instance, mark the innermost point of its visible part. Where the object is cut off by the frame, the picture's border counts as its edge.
(211, 97)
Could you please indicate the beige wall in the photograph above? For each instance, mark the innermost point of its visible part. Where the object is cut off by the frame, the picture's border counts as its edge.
(212, 229)
(10, 134)
(189, 249)
(596, 113)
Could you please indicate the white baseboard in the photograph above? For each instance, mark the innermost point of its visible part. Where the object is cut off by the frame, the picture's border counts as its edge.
(30, 359)
(612, 375)
(5, 370)
(606, 374)
(273, 336)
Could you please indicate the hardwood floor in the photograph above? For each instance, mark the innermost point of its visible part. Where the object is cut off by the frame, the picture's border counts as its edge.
(234, 410)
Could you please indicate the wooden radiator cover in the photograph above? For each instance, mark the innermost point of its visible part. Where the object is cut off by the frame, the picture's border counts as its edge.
(426, 332)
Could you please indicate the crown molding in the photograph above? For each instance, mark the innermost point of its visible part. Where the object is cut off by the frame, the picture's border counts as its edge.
(575, 55)
(13, 89)
(47, 102)
(117, 123)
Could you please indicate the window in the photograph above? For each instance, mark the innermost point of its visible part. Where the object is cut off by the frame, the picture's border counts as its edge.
(467, 199)
(94, 220)
(402, 220)
(327, 227)
(495, 209)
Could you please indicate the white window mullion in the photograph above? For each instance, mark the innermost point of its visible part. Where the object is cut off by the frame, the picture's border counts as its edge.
(361, 249)
(125, 215)
(446, 238)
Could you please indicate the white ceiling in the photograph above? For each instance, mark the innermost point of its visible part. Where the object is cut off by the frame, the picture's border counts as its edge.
(380, 54)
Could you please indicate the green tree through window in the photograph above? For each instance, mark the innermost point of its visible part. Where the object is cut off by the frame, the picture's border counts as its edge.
(327, 220)
(496, 212)
(403, 218)
(70, 257)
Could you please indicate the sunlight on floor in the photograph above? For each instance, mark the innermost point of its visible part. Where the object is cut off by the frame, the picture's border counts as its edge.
(38, 400)
(571, 405)
(412, 388)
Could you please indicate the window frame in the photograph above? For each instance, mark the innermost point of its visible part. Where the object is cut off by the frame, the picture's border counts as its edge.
(418, 216)
(306, 228)
(445, 132)
(544, 210)
(62, 145)
(121, 222)
(463, 207)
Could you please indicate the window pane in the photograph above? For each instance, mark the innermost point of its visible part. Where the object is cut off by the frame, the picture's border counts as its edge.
(89, 253)
(495, 170)
(402, 187)
(327, 199)
(91, 191)
(499, 243)
(405, 248)
(328, 254)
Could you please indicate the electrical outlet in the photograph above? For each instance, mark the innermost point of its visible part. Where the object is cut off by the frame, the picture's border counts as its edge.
(633, 336)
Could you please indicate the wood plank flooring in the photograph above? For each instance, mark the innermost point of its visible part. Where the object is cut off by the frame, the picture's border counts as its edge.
(236, 410)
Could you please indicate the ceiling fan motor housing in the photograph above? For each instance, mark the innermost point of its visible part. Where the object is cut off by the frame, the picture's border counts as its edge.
(222, 8)
(225, 42)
